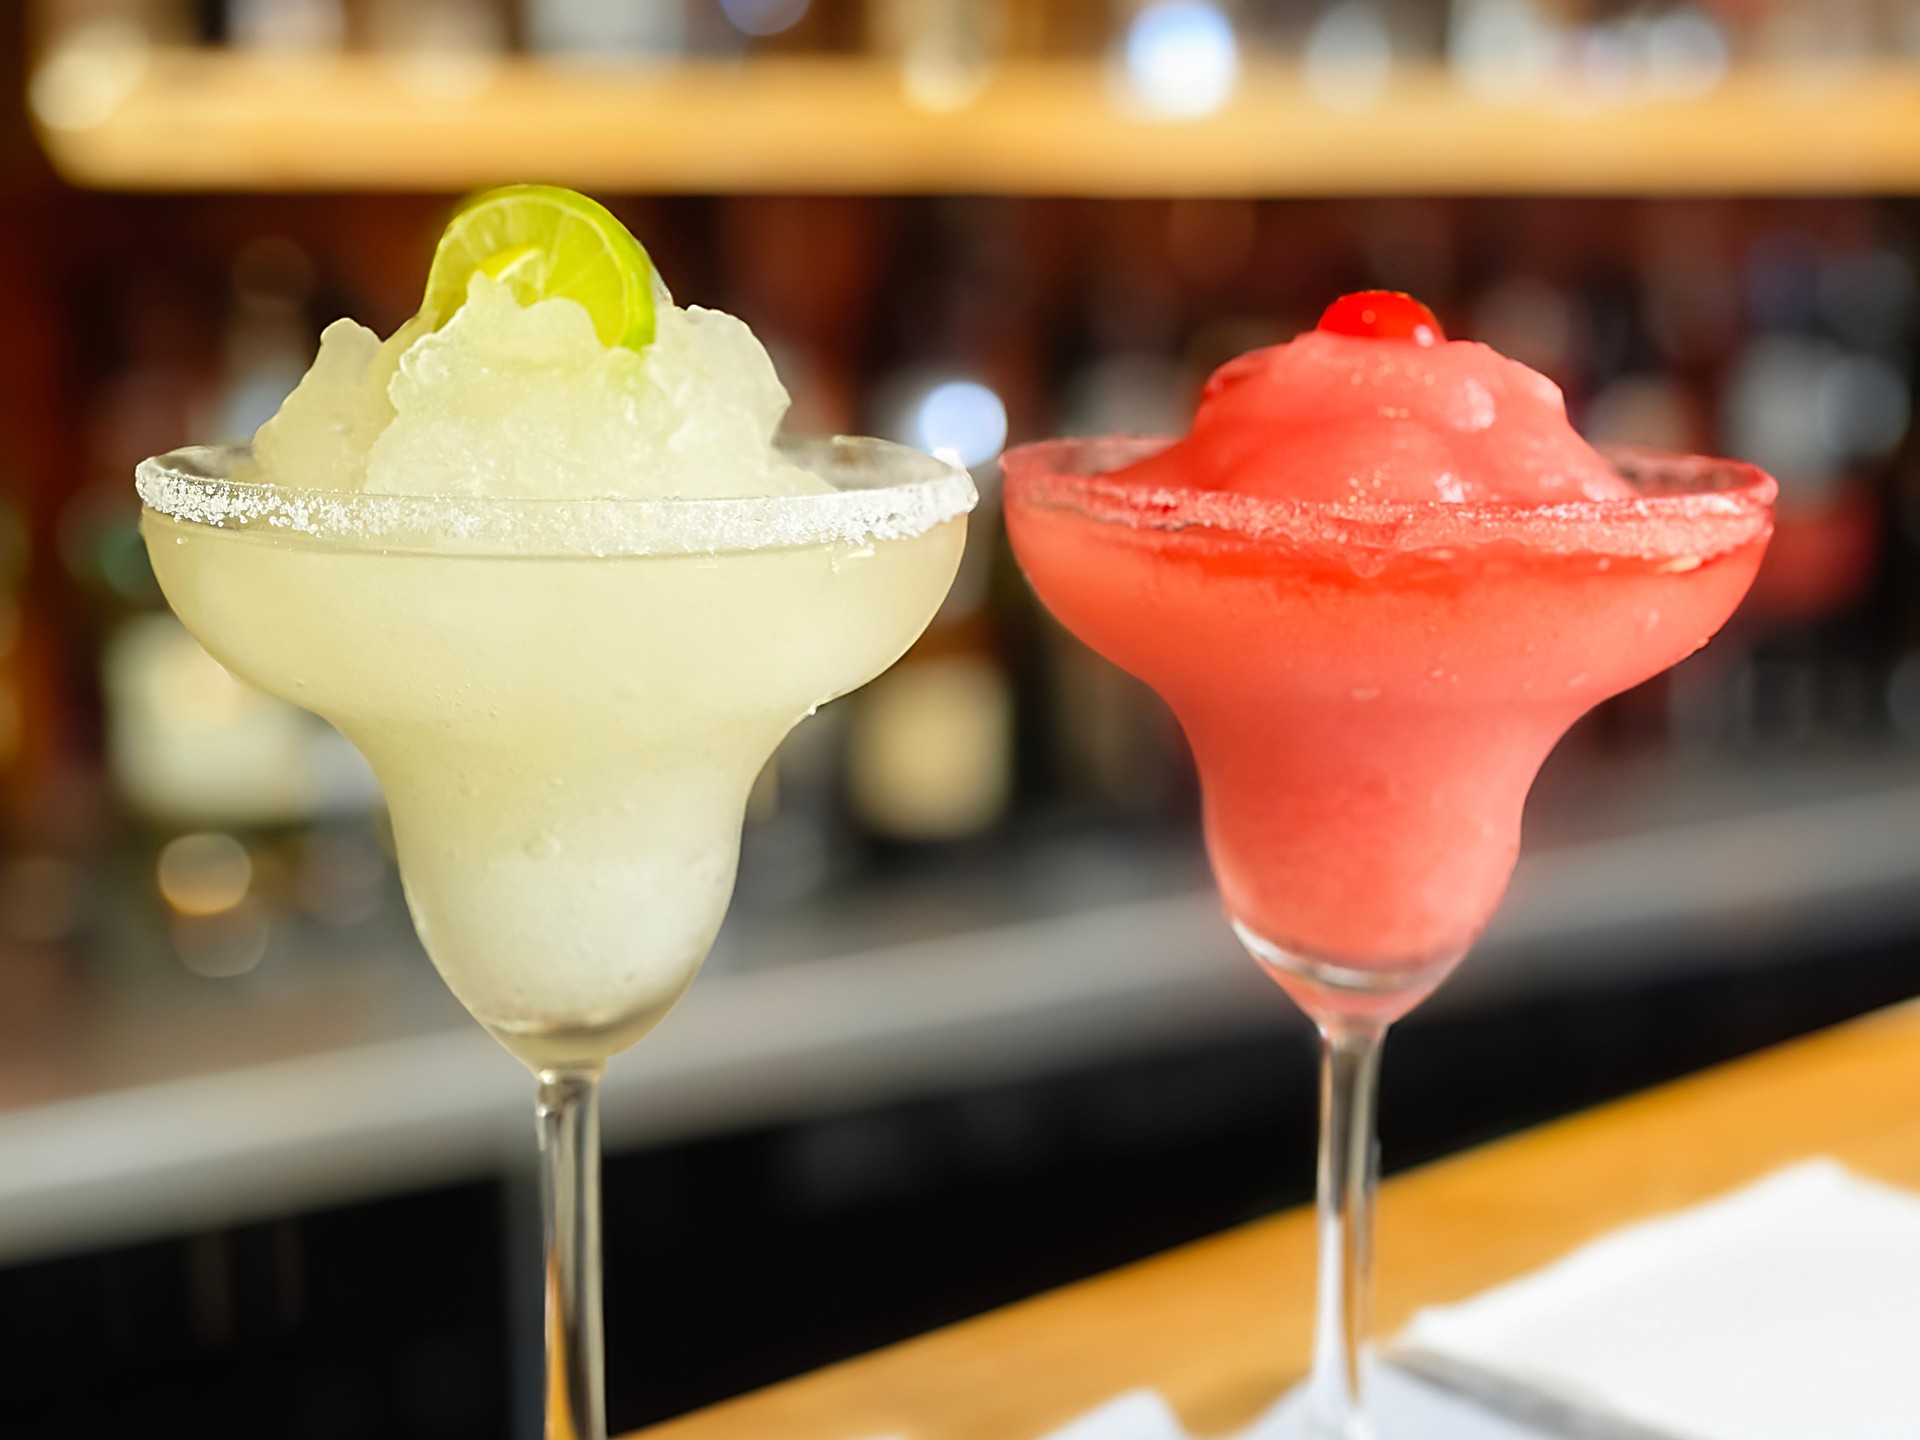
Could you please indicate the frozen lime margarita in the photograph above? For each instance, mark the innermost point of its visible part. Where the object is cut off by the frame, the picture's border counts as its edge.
(540, 556)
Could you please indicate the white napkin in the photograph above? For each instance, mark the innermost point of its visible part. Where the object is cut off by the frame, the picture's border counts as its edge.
(1788, 1310)
(1405, 1408)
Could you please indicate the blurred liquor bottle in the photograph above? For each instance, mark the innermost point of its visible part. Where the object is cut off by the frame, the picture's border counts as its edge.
(947, 50)
(776, 27)
(931, 744)
(1818, 392)
(444, 48)
(267, 339)
(187, 744)
(952, 41)
(16, 672)
(626, 31)
(804, 273)
(611, 31)
(286, 27)
(1101, 741)
(1903, 671)
(57, 23)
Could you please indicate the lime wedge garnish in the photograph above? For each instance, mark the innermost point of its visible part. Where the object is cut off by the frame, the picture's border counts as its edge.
(541, 242)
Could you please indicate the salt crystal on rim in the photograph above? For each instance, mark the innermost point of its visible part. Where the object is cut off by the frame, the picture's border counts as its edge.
(1687, 508)
(883, 491)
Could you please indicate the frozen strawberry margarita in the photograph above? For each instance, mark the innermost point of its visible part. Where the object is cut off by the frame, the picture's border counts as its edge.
(1377, 581)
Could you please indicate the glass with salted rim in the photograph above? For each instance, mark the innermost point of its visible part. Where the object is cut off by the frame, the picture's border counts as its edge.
(1369, 688)
(565, 702)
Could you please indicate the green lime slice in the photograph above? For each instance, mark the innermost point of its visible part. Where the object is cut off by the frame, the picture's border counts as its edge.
(541, 242)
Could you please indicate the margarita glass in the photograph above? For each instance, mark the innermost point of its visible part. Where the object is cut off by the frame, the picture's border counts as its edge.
(1369, 687)
(566, 702)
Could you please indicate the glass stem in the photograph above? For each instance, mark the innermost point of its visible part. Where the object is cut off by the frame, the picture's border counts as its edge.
(568, 1115)
(1349, 1086)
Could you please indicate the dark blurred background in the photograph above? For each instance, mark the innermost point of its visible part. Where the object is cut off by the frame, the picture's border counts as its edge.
(974, 1027)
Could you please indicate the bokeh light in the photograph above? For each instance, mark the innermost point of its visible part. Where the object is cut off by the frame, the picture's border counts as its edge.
(224, 945)
(964, 419)
(203, 874)
(82, 82)
(1181, 58)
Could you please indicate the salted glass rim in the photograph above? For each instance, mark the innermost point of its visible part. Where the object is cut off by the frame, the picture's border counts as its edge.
(208, 486)
(1688, 508)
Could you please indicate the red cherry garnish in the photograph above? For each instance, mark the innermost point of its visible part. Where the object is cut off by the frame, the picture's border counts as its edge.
(1382, 315)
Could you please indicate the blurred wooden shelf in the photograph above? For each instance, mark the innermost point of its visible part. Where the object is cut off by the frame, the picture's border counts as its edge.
(210, 120)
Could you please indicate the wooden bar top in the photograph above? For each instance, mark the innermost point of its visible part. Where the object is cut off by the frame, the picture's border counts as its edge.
(1221, 1326)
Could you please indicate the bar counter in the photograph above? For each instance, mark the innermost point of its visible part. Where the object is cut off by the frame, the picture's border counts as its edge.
(1221, 1326)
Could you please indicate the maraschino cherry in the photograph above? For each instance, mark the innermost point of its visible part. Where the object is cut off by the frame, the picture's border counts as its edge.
(1382, 315)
